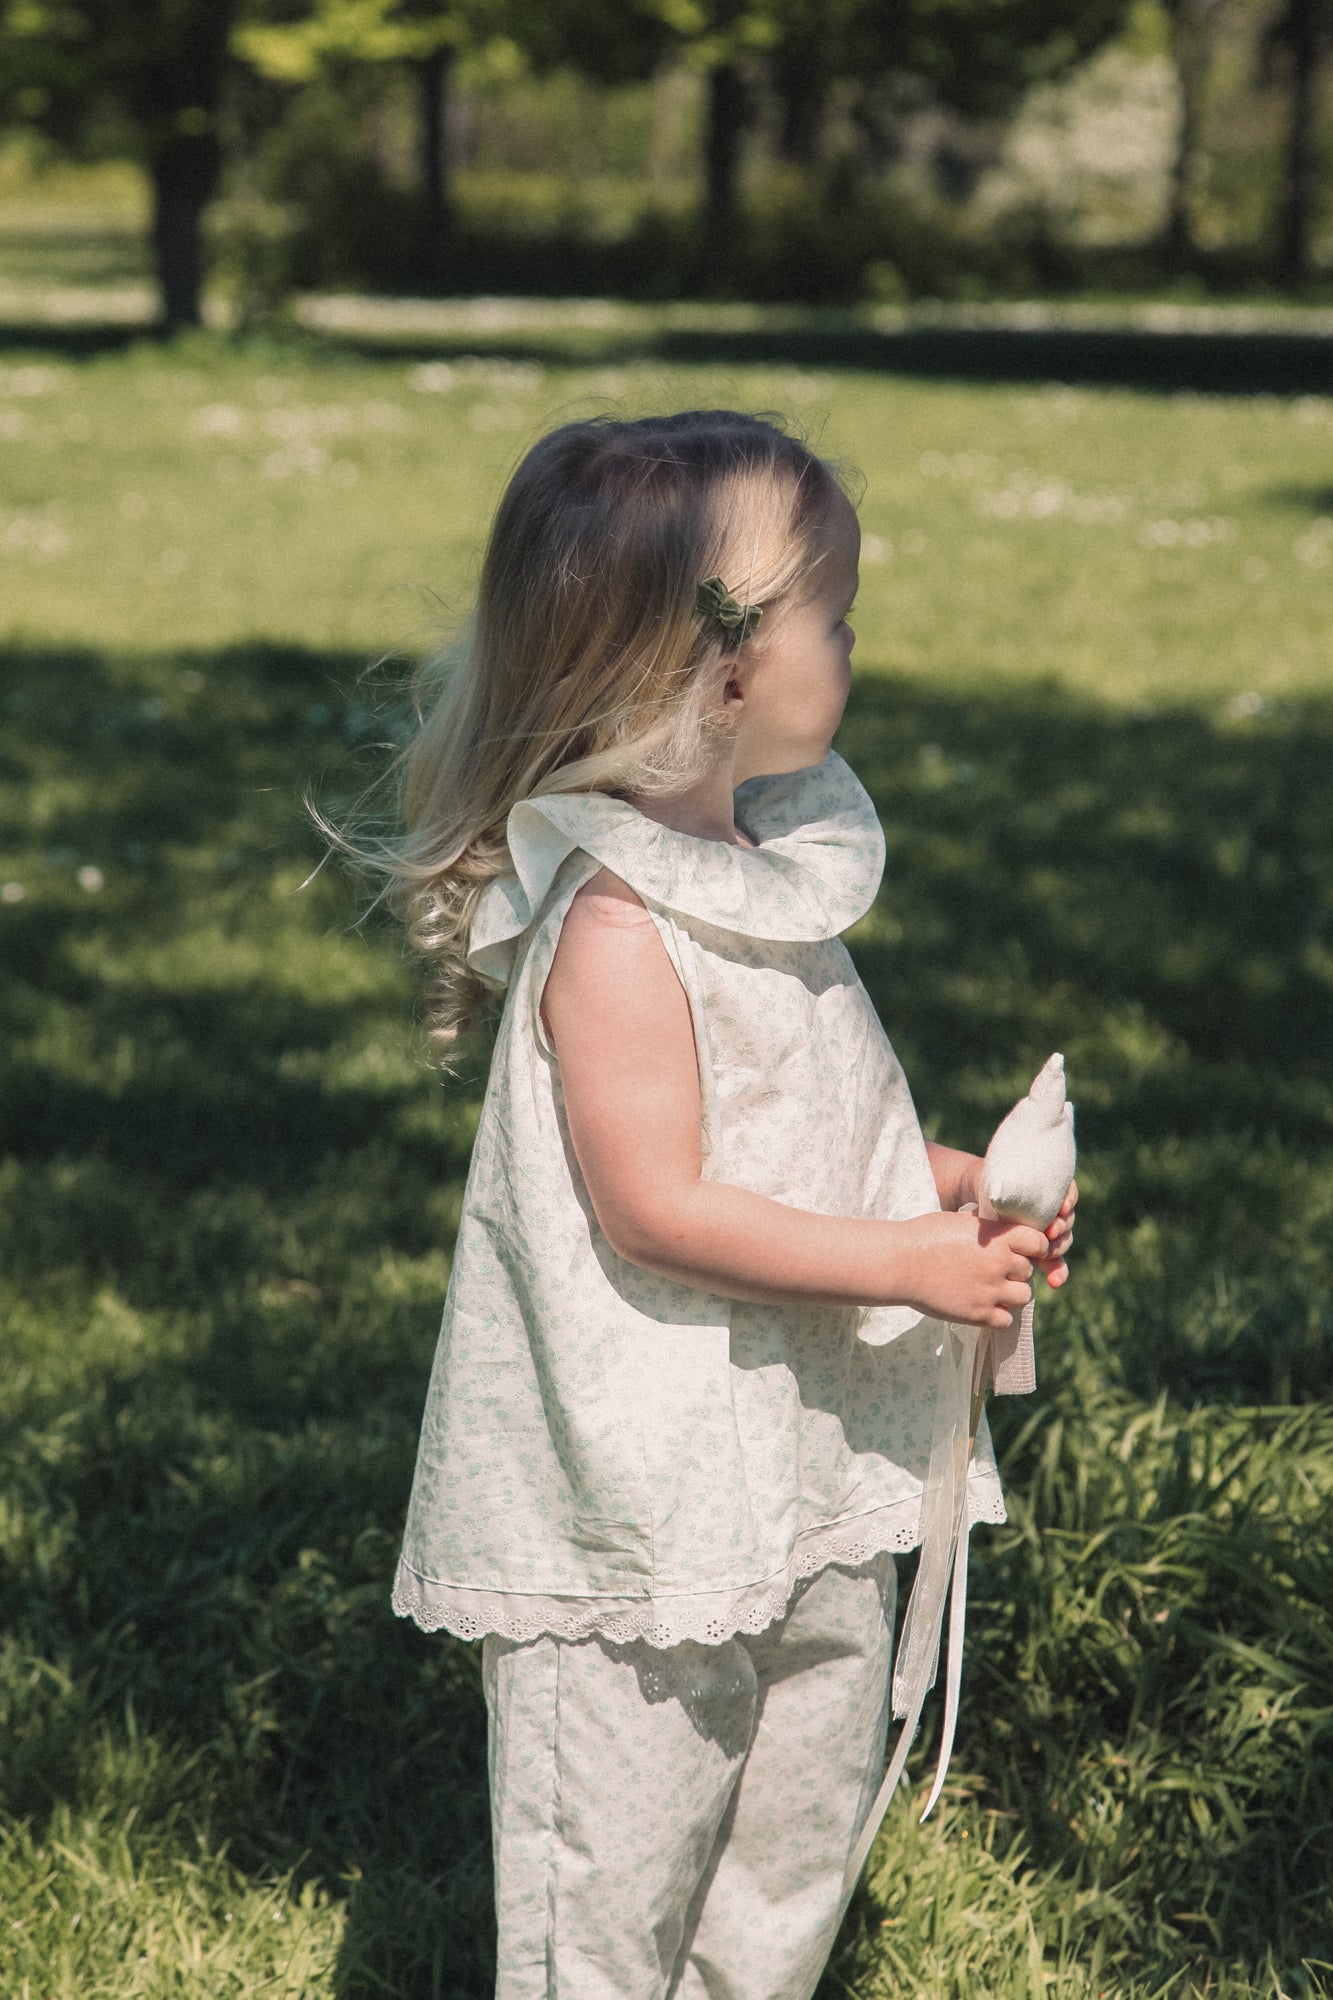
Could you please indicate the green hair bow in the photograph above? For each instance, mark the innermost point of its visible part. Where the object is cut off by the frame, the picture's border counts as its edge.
(739, 622)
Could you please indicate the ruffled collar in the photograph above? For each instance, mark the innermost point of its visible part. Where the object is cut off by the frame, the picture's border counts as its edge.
(815, 870)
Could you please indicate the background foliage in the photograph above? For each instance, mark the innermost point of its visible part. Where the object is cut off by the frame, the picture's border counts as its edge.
(1092, 707)
(825, 150)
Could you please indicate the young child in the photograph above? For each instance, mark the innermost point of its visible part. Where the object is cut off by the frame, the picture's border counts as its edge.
(683, 1401)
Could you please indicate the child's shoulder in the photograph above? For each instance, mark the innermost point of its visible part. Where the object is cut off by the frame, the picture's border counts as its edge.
(607, 940)
(610, 969)
(605, 901)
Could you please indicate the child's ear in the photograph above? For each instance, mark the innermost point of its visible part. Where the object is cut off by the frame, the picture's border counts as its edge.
(733, 694)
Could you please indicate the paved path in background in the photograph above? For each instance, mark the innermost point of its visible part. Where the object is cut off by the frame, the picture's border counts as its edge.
(24, 303)
(1240, 349)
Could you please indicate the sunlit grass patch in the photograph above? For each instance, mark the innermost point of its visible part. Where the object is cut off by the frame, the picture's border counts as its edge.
(230, 1180)
(1138, 547)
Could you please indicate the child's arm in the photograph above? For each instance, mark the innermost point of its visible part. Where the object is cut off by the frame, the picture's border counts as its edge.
(955, 1174)
(620, 1023)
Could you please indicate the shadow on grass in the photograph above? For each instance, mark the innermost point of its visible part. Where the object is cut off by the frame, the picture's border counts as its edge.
(1228, 363)
(228, 1196)
(1303, 499)
(1130, 358)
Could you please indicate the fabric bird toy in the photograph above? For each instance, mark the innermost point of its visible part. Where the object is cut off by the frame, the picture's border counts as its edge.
(1024, 1178)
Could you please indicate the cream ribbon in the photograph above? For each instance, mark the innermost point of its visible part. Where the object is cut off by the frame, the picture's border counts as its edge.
(1029, 1163)
(964, 1355)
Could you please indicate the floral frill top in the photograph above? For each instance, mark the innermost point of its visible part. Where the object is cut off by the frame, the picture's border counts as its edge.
(605, 1450)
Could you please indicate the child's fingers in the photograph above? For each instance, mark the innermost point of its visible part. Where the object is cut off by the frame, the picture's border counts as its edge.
(1028, 1242)
(1070, 1202)
(1056, 1272)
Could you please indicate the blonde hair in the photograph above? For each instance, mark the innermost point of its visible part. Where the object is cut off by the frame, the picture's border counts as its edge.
(589, 667)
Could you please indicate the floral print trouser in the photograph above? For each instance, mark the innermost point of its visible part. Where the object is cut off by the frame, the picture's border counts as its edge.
(673, 1824)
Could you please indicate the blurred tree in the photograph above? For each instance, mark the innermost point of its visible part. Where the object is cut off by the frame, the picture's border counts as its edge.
(424, 35)
(617, 40)
(978, 58)
(982, 56)
(1193, 29)
(717, 37)
(1302, 31)
(138, 78)
(613, 41)
(813, 43)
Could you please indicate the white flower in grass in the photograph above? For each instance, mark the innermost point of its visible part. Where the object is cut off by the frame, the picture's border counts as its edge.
(12, 892)
(432, 378)
(1006, 505)
(218, 420)
(801, 388)
(1315, 546)
(1195, 534)
(35, 531)
(495, 417)
(308, 420)
(34, 379)
(1245, 706)
(90, 880)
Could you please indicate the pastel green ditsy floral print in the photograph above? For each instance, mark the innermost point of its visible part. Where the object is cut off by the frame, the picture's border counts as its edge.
(604, 1450)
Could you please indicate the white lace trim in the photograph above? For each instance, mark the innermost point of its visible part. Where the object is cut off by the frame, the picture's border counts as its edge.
(708, 1617)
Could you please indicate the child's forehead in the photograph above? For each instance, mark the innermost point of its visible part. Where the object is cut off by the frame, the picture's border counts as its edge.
(839, 549)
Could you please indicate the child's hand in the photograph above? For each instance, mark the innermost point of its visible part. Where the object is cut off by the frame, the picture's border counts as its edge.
(1059, 1237)
(959, 1267)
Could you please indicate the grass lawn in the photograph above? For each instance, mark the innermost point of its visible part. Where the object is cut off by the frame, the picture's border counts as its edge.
(1094, 709)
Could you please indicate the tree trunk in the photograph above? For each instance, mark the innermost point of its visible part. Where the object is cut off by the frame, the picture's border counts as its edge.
(437, 213)
(801, 84)
(725, 122)
(1301, 35)
(1191, 53)
(183, 171)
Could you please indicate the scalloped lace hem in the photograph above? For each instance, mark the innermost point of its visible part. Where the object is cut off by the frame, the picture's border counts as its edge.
(707, 1617)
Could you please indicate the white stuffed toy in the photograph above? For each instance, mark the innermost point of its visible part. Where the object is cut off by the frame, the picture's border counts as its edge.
(1025, 1177)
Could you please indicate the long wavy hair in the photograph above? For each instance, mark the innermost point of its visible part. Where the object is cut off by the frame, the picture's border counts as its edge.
(588, 667)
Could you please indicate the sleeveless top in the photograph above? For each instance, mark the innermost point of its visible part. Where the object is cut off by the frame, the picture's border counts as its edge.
(606, 1450)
